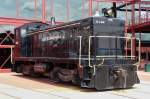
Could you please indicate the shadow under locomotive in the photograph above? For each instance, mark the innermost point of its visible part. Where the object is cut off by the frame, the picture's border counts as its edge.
(88, 52)
(68, 85)
(46, 80)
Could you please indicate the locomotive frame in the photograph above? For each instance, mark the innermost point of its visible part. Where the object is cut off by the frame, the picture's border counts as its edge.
(73, 52)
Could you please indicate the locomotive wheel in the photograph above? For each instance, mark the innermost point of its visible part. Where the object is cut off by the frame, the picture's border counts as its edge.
(18, 68)
(54, 74)
(32, 73)
(25, 71)
(29, 71)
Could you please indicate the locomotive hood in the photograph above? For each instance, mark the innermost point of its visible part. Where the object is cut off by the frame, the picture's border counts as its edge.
(108, 25)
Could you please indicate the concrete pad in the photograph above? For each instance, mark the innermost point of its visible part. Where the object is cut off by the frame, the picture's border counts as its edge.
(4, 96)
(20, 93)
(15, 86)
(5, 70)
(143, 73)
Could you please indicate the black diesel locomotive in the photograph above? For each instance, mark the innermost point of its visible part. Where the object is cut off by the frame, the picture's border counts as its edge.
(87, 52)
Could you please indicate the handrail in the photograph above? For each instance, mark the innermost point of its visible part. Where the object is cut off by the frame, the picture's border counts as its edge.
(122, 56)
(80, 49)
(108, 56)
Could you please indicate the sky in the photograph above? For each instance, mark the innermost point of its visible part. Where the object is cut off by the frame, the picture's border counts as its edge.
(26, 9)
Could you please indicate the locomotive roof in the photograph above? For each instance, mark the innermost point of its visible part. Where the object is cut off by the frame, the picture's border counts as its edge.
(67, 24)
(31, 23)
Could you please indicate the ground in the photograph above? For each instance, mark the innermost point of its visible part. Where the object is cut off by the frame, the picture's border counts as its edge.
(17, 86)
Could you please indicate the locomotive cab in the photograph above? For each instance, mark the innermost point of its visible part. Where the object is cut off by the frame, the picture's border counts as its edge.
(107, 66)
